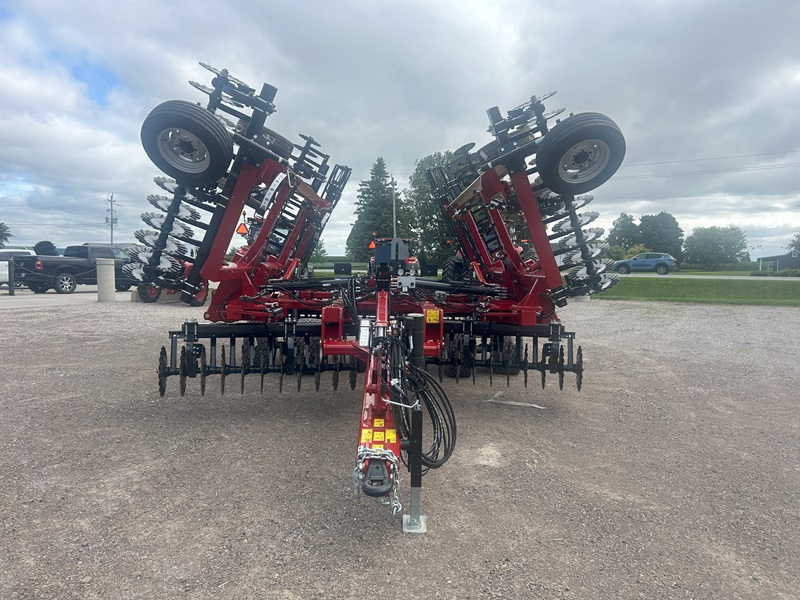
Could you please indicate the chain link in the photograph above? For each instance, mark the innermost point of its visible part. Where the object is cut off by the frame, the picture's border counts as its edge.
(365, 454)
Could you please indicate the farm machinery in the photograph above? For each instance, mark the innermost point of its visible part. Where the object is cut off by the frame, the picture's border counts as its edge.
(522, 252)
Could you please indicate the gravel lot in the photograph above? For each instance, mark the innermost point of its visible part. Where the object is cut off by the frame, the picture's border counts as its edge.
(675, 473)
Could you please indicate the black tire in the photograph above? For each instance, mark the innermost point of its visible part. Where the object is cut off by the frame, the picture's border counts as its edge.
(623, 269)
(278, 144)
(580, 153)
(38, 288)
(122, 287)
(65, 283)
(201, 297)
(270, 139)
(187, 142)
(454, 269)
(148, 293)
(662, 269)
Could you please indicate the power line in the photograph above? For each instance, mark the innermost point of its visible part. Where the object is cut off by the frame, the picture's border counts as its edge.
(60, 226)
(708, 172)
(673, 162)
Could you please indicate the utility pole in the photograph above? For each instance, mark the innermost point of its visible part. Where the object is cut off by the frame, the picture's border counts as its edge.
(111, 220)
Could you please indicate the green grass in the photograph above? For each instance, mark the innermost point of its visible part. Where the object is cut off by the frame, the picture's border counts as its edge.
(716, 273)
(711, 291)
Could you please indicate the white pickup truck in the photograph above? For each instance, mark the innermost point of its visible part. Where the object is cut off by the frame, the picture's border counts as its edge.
(5, 255)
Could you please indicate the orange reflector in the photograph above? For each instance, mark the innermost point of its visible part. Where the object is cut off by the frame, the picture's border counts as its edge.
(242, 229)
(372, 245)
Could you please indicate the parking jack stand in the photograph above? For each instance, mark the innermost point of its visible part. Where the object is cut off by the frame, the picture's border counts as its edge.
(415, 522)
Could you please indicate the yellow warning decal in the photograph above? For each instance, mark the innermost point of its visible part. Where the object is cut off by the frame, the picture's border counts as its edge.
(391, 436)
(377, 446)
(377, 423)
(366, 435)
(377, 436)
(431, 315)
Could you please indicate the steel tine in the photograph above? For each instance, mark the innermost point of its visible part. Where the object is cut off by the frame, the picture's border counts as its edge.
(457, 356)
(223, 372)
(182, 371)
(244, 365)
(261, 364)
(525, 367)
(282, 369)
(336, 374)
(203, 370)
(491, 367)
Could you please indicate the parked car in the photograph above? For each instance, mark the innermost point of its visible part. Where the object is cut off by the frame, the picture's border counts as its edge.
(5, 255)
(77, 266)
(658, 262)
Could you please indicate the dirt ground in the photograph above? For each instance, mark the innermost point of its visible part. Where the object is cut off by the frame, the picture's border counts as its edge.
(674, 473)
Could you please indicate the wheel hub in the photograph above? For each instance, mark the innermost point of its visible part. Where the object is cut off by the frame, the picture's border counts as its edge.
(184, 150)
(584, 161)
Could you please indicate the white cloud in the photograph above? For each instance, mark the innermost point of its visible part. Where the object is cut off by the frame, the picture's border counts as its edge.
(684, 81)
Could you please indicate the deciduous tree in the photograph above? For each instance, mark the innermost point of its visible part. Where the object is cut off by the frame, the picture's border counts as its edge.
(794, 243)
(712, 246)
(45, 248)
(624, 232)
(430, 228)
(661, 233)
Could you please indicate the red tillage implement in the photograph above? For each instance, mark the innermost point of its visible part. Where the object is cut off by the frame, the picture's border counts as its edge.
(522, 252)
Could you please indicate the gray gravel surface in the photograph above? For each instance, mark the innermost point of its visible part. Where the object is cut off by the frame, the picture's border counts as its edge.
(675, 473)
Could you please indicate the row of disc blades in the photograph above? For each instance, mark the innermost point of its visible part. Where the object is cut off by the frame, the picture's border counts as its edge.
(578, 245)
(163, 251)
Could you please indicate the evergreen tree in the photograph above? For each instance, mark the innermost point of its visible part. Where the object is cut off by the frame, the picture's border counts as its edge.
(374, 212)
(45, 248)
(430, 228)
(5, 234)
(320, 255)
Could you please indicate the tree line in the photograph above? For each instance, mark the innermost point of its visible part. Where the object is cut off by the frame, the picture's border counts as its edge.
(418, 216)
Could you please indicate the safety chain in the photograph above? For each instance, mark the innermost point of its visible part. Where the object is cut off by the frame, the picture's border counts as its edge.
(365, 454)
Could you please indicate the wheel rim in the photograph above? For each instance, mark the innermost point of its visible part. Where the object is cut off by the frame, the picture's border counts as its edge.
(183, 150)
(65, 283)
(584, 161)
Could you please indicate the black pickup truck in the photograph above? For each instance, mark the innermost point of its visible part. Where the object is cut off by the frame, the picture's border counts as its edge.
(77, 266)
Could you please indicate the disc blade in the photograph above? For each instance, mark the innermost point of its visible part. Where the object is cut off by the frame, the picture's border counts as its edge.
(150, 239)
(157, 221)
(164, 203)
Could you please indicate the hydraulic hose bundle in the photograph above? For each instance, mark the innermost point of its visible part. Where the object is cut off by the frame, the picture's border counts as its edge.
(413, 386)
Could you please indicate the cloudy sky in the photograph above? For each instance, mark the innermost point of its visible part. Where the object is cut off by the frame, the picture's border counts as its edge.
(707, 94)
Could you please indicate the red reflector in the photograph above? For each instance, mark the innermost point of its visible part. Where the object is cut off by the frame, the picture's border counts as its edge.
(38, 265)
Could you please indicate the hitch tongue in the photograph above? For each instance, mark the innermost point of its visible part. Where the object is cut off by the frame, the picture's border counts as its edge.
(377, 482)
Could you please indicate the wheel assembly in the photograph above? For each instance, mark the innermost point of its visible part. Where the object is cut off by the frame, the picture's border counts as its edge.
(187, 143)
(580, 153)
(65, 283)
